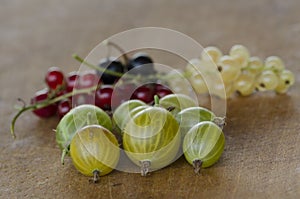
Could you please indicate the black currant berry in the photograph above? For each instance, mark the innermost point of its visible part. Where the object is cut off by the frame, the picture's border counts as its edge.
(110, 64)
(141, 60)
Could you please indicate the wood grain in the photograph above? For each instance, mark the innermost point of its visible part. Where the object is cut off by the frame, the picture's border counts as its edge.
(262, 153)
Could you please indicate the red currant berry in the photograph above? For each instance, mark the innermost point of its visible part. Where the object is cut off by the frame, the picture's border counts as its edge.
(88, 80)
(80, 99)
(71, 81)
(162, 90)
(144, 93)
(47, 111)
(63, 107)
(54, 78)
(122, 93)
(103, 98)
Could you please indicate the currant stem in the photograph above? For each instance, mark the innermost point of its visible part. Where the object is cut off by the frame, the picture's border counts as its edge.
(47, 103)
(157, 76)
(197, 164)
(145, 167)
(123, 53)
(110, 72)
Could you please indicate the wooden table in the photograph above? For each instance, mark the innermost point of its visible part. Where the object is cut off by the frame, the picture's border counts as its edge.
(262, 154)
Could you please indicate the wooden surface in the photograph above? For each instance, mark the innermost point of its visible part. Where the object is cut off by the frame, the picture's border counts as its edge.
(262, 154)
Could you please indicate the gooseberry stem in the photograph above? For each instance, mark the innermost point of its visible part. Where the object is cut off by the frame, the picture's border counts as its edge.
(156, 100)
(96, 176)
(47, 103)
(197, 164)
(63, 155)
(220, 121)
(145, 167)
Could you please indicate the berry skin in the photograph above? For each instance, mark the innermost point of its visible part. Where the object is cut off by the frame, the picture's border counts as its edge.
(144, 93)
(241, 54)
(71, 81)
(267, 80)
(286, 80)
(103, 98)
(143, 63)
(113, 65)
(47, 111)
(81, 99)
(54, 78)
(229, 69)
(122, 93)
(88, 80)
(161, 90)
(274, 63)
(211, 53)
(63, 107)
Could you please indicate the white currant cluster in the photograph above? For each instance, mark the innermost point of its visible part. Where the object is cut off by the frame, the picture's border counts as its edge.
(239, 72)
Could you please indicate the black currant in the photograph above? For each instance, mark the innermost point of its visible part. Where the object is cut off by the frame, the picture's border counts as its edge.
(110, 64)
(141, 60)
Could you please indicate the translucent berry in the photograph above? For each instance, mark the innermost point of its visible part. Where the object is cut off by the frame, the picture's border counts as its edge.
(54, 78)
(47, 111)
(267, 80)
(63, 107)
(211, 53)
(103, 98)
(241, 54)
(144, 93)
(161, 90)
(255, 65)
(71, 81)
(274, 63)
(286, 80)
(88, 79)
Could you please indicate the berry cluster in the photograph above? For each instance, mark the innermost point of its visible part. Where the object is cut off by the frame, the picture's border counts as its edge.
(240, 72)
(151, 136)
(97, 86)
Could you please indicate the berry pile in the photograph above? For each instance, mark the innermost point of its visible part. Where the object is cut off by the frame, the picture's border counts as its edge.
(99, 86)
(151, 135)
(240, 73)
(155, 122)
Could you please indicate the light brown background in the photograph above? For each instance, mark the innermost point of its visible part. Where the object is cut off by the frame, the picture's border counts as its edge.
(262, 155)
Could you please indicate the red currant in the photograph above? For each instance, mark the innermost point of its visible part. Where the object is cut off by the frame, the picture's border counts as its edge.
(47, 111)
(63, 107)
(162, 90)
(71, 81)
(54, 78)
(88, 80)
(122, 93)
(80, 99)
(103, 98)
(144, 93)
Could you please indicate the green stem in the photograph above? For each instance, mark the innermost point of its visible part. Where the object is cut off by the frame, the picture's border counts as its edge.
(156, 100)
(46, 103)
(123, 53)
(110, 72)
